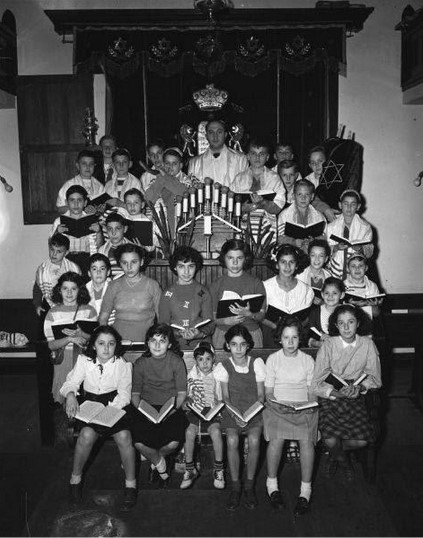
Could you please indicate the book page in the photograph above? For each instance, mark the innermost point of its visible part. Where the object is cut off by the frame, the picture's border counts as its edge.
(252, 411)
(88, 410)
(108, 416)
(166, 408)
(148, 410)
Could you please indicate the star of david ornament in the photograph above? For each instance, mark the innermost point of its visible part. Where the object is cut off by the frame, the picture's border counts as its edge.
(331, 174)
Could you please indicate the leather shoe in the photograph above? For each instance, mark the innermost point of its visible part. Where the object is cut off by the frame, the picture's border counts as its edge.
(250, 501)
(275, 499)
(301, 507)
(234, 500)
(129, 499)
(75, 493)
(164, 483)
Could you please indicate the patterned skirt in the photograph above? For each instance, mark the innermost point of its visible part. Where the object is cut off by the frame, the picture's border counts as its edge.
(345, 418)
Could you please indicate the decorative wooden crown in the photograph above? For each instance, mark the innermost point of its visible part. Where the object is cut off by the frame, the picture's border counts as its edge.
(210, 98)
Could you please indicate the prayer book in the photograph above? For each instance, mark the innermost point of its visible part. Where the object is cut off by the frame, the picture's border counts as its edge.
(265, 194)
(350, 243)
(97, 413)
(337, 382)
(229, 298)
(274, 314)
(317, 335)
(78, 227)
(86, 325)
(152, 414)
(200, 324)
(251, 412)
(141, 230)
(298, 406)
(206, 413)
(356, 297)
(99, 200)
(300, 231)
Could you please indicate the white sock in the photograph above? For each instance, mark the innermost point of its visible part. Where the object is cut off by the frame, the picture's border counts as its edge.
(130, 483)
(161, 466)
(305, 490)
(272, 485)
(153, 466)
(75, 479)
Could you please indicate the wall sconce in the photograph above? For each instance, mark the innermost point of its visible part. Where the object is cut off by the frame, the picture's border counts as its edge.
(7, 187)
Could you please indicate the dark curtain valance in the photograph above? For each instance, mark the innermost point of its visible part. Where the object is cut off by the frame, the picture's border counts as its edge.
(250, 52)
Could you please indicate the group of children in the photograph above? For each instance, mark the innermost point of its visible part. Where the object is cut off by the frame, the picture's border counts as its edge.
(319, 297)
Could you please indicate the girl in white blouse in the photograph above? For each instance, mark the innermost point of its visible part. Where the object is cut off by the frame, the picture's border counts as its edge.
(106, 378)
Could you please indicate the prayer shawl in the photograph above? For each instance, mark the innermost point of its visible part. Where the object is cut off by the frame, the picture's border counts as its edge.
(222, 169)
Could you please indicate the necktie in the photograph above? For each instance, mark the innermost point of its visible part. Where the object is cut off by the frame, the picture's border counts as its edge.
(109, 173)
(100, 366)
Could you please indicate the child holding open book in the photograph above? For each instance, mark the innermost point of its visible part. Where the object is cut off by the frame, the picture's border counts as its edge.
(289, 373)
(203, 395)
(187, 303)
(71, 300)
(343, 420)
(236, 258)
(159, 379)
(242, 381)
(107, 379)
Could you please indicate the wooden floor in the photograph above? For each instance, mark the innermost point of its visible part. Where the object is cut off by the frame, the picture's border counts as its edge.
(33, 485)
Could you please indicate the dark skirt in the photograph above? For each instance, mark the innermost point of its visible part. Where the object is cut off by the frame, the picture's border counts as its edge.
(345, 418)
(105, 399)
(153, 435)
(229, 422)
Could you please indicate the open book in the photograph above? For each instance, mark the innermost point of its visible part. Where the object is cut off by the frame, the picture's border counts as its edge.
(300, 231)
(78, 227)
(298, 406)
(206, 413)
(230, 298)
(86, 325)
(141, 230)
(317, 335)
(199, 324)
(97, 413)
(352, 243)
(99, 200)
(274, 314)
(265, 194)
(349, 295)
(337, 382)
(152, 414)
(249, 413)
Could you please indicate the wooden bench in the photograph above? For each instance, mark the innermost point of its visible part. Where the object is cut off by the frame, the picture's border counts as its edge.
(367, 455)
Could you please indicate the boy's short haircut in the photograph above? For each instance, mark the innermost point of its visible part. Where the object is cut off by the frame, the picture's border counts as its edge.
(322, 243)
(356, 256)
(97, 257)
(316, 149)
(59, 240)
(134, 192)
(258, 143)
(159, 142)
(115, 217)
(283, 165)
(184, 255)
(283, 144)
(121, 152)
(304, 183)
(85, 153)
(174, 152)
(351, 192)
(107, 137)
(333, 281)
(204, 347)
(77, 189)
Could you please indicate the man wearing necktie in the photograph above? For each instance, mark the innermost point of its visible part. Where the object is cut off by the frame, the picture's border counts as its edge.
(219, 162)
